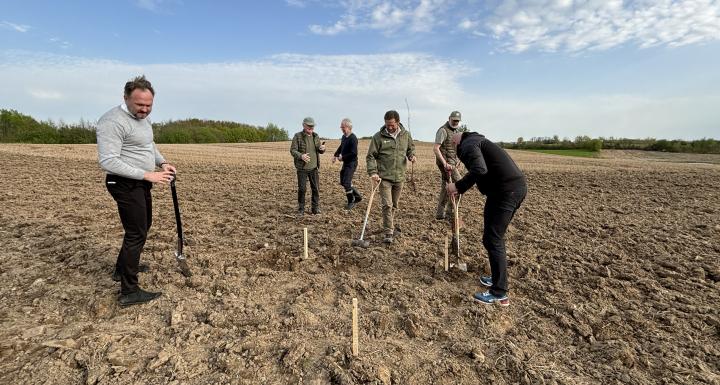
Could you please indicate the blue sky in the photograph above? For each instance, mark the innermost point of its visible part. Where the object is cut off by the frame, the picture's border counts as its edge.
(513, 68)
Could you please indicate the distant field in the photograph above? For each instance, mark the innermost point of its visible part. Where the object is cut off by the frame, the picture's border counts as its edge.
(580, 153)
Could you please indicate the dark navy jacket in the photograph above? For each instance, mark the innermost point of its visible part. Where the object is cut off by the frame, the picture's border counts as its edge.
(348, 148)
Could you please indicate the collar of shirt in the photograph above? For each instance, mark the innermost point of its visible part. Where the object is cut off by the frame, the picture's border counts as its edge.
(124, 107)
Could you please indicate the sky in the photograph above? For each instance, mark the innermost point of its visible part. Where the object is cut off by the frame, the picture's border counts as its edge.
(514, 68)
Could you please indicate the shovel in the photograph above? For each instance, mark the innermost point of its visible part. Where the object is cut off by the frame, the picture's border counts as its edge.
(360, 242)
(456, 207)
(179, 256)
(455, 199)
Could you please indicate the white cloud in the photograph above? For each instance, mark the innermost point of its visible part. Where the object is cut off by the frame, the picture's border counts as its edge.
(15, 27)
(574, 26)
(387, 16)
(60, 42)
(45, 94)
(467, 24)
(340, 26)
(542, 25)
(283, 89)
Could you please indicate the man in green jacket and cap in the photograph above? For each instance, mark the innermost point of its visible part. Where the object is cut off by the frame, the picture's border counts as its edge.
(447, 161)
(390, 149)
(306, 149)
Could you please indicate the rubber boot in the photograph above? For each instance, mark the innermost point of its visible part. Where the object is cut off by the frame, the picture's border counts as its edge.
(351, 199)
(357, 195)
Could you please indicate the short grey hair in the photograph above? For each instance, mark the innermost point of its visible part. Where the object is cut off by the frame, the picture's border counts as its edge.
(347, 122)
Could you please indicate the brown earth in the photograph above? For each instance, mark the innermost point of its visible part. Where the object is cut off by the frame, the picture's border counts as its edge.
(614, 273)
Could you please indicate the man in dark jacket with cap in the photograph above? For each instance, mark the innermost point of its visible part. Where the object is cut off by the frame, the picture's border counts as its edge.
(497, 176)
(306, 149)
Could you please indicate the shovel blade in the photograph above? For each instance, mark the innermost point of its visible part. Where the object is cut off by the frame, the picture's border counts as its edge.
(361, 243)
(182, 264)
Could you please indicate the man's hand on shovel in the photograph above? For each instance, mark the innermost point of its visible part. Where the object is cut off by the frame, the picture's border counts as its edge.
(451, 189)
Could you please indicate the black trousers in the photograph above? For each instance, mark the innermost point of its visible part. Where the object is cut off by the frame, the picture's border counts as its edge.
(346, 174)
(134, 204)
(499, 211)
(314, 177)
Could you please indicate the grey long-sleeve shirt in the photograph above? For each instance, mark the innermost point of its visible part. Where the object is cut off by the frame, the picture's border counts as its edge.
(125, 144)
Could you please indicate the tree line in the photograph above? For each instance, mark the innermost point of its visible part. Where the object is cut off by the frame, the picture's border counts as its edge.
(19, 128)
(701, 146)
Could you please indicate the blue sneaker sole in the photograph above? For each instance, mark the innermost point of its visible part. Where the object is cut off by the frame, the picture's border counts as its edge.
(502, 302)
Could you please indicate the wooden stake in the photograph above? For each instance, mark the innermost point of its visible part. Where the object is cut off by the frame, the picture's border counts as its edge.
(355, 344)
(446, 253)
(305, 243)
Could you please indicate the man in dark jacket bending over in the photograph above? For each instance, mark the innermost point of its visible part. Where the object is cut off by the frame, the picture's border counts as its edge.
(499, 178)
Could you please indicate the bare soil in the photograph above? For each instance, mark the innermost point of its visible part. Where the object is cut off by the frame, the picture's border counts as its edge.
(614, 274)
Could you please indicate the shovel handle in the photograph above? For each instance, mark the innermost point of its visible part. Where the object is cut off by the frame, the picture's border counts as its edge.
(367, 211)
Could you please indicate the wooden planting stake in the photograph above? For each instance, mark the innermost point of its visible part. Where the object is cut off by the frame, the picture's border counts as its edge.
(355, 344)
(446, 253)
(305, 243)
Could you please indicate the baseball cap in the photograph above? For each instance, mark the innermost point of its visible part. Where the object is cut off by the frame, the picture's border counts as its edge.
(455, 115)
(309, 121)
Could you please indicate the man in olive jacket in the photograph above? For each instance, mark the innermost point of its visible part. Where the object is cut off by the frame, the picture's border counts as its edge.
(390, 149)
(306, 149)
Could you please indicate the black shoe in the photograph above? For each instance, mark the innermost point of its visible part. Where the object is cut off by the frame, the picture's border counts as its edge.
(138, 297)
(316, 210)
(142, 268)
(301, 211)
(350, 205)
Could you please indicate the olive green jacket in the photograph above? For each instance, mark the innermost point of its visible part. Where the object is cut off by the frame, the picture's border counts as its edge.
(388, 156)
(298, 147)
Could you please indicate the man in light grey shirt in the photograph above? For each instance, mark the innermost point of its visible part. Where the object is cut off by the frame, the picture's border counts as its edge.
(127, 152)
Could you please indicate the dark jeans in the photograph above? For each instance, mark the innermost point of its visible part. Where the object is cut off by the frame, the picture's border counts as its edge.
(499, 211)
(303, 176)
(134, 204)
(346, 174)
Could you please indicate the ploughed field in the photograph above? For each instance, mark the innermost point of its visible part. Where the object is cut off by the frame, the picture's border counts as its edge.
(614, 270)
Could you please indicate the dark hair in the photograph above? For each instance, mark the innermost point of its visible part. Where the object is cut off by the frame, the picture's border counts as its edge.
(138, 83)
(392, 114)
